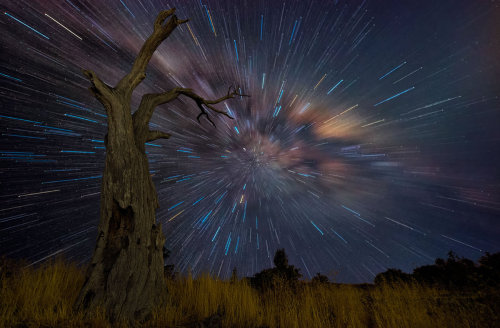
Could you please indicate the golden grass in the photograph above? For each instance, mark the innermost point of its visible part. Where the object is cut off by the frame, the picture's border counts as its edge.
(412, 305)
(43, 297)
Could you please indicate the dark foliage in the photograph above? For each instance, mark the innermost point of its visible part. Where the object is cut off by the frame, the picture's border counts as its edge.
(280, 259)
(392, 276)
(281, 274)
(320, 279)
(489, 269)
(234, 276)
(454, 272)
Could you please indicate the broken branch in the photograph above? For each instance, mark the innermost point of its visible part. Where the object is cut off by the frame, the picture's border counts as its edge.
(154, 135)
(99, 89)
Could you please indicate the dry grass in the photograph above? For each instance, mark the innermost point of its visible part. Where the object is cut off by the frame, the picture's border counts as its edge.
(412, 305)
(43, 298)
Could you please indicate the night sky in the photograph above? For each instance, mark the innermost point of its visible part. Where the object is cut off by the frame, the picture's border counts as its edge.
(371, 139)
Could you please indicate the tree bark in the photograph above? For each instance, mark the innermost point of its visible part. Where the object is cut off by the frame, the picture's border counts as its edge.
(125, 275)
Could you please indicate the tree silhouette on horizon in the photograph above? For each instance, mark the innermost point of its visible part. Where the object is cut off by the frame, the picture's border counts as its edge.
(281, 273)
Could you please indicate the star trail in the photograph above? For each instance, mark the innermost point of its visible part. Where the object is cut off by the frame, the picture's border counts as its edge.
(370, 139)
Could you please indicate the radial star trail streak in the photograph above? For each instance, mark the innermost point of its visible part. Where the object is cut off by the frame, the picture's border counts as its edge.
(370, 138)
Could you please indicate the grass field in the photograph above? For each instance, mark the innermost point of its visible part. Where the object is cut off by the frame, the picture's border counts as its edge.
(43, 297)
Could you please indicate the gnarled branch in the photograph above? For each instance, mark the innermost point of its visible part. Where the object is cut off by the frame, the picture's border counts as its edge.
(151, 101)
(161, 31)
(231, 93)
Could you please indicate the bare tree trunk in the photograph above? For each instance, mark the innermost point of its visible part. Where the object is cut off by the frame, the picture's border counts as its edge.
(126, 272)
(125, 275)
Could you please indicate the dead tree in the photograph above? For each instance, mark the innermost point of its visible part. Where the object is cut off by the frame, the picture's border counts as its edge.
(125, 275)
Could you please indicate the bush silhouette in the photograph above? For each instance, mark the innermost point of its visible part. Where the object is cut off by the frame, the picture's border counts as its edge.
(489, 269)
(320, 279)
(392, 276)
(454, 273)
(283, 273)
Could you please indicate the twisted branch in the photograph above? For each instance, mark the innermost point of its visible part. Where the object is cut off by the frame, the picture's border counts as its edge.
(151, 101)
(200, 101)
(162, 29)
